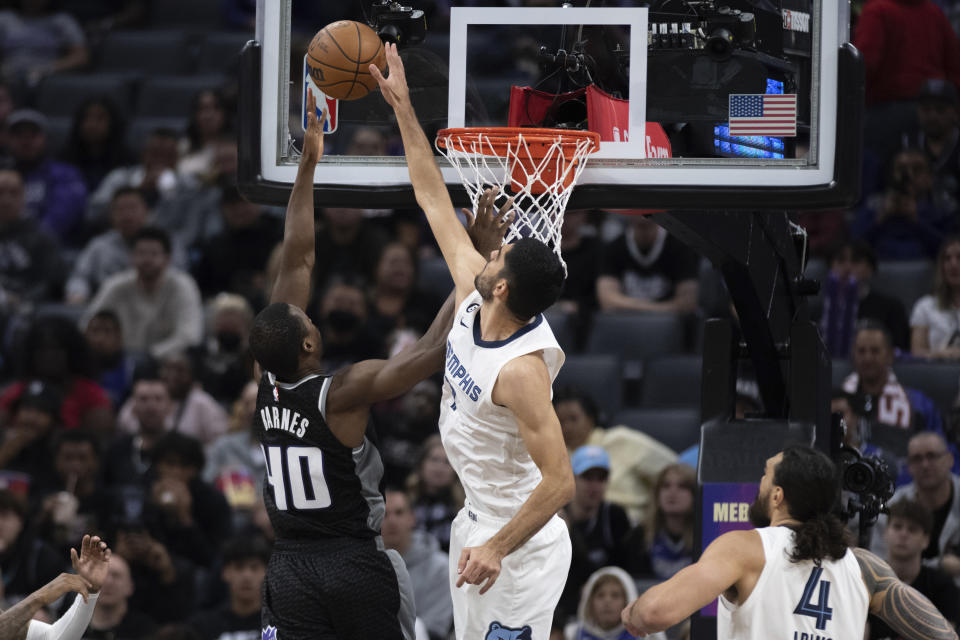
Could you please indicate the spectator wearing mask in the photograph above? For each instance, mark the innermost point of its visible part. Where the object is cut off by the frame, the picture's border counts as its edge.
(55, 193)
(108, 253)
(427, 565)
(907, 534)
(343, 325)
(114, 618)
(225, 365)
(646, 269)
(193, 412)
(938, 490)
(158, 305)
(848, 296)
(935, 320)
(30, 266)
(244, 569)
(598, 529)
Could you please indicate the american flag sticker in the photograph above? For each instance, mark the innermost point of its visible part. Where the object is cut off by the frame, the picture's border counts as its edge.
(763, 114)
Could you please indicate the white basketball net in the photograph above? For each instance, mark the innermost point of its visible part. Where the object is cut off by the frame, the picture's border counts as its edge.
(541, 186)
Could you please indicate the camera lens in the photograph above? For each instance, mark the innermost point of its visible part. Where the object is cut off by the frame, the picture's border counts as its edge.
(858, 477)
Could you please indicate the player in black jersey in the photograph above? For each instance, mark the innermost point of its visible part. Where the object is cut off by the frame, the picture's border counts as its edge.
(329, 576)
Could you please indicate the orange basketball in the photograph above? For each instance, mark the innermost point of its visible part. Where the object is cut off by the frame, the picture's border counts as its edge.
(339, 58)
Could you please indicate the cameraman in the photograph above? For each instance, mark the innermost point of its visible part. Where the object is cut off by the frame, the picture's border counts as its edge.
(904, 222)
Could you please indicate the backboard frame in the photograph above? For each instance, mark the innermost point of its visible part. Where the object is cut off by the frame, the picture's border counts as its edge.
(834, 182)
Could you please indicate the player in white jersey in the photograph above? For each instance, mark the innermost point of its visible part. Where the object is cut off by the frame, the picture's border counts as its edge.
(794, 578)
(509, 551)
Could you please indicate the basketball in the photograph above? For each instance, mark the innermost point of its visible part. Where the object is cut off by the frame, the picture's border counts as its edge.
(339, 57)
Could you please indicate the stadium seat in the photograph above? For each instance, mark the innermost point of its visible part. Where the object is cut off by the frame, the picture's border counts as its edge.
(434, 277)
(905, 280)
(938, 380)
(219, 52)
(58, 130)
(148, 52)
(840, 369)
(671, 381)
(712, 291)
(140, 128)
(597, 375)
(60, 95)
(636, 337)
(196, 14)
(562, 324)
(676, 428)
(172, 96)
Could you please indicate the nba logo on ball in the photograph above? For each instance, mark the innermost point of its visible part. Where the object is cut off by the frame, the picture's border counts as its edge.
(332, 104)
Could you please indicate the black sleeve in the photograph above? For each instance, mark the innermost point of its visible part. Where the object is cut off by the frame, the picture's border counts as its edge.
(685, 263)
(612, 258)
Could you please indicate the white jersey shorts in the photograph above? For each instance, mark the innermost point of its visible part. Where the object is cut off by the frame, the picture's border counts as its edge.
(521, 603)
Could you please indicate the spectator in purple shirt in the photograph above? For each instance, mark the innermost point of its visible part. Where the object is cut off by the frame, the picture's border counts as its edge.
(55, 192)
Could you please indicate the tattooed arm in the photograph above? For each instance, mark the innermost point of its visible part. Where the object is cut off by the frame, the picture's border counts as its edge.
(903, 608)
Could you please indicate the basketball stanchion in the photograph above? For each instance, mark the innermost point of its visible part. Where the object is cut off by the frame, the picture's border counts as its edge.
(538, 167)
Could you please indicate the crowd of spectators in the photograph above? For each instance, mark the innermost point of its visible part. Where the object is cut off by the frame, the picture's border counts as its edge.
(129, 279)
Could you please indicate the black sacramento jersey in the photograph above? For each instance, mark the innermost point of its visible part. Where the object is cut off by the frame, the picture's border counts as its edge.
(315, 486)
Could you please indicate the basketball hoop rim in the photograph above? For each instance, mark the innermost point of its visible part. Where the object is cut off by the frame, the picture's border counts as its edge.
(496, 141)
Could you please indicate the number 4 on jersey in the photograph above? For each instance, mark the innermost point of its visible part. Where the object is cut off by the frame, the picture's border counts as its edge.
(821, 611)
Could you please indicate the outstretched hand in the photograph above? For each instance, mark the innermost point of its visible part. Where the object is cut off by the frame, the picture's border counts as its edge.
(313, 136)
(93, 561)
(394, 85)
(486, 228)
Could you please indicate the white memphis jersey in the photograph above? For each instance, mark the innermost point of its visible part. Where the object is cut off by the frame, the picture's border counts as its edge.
(798, 601)
(482, 439)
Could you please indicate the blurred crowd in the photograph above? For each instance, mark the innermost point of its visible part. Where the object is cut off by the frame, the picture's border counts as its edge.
(129, 278)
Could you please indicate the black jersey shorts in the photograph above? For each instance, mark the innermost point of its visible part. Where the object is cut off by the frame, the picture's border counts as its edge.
(340, 588)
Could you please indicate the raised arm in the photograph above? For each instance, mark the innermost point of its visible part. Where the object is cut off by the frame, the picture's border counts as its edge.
(370, 381)
(462, 259)
(903, 608)
(523, 386)
(297, 252)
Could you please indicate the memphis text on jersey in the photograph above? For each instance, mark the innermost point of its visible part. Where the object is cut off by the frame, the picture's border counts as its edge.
(460, 377)
(803, 635)
(285, 420)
